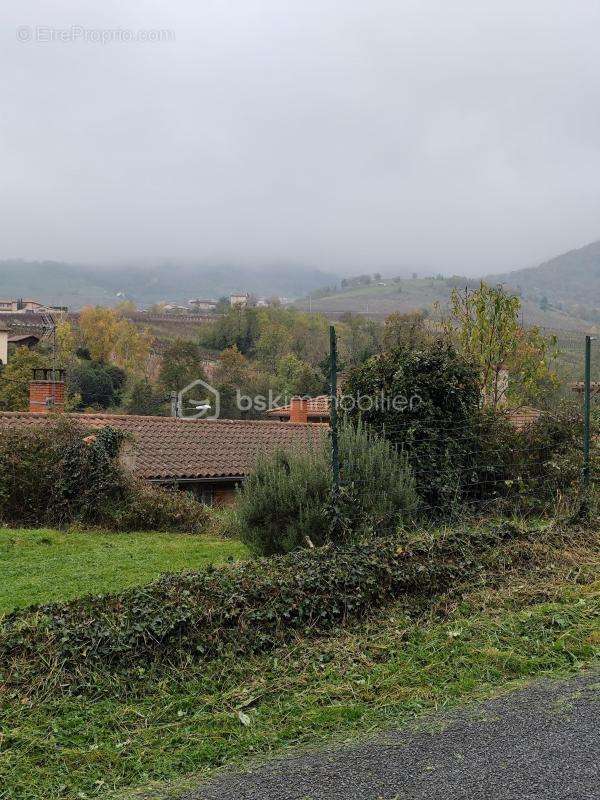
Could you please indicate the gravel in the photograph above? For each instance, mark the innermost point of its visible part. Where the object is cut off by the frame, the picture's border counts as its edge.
(539, 742)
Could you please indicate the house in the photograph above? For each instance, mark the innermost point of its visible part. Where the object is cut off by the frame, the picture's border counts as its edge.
(239, 300)
(207, 457)
(22, 306)
(579, 388)
(203, 305)
(29, 340)
(303, 410)
(317, 409)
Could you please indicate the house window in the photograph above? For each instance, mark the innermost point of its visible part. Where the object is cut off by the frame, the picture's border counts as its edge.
(206, 494)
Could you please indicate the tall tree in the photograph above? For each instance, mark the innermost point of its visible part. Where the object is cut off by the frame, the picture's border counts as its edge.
(181, 365)
(513, 363)
(109, 337)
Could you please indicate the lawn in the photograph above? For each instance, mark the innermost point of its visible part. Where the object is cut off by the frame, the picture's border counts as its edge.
(159, 731)
(40, 566)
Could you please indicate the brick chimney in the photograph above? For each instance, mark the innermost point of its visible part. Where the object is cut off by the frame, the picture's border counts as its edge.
(299, 409)
(47, 390)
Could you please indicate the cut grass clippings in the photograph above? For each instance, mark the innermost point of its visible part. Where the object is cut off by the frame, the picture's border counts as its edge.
(43, 566)
(171, 724)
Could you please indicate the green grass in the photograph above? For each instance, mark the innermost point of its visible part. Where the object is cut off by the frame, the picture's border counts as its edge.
(40, 566)
(167, 731)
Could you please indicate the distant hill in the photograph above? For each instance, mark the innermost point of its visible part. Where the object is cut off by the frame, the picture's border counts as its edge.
(382, 297)
(569, 283)
(77, 285)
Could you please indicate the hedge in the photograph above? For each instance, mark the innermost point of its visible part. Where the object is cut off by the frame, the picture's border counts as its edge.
(63, 473)
(247, 607)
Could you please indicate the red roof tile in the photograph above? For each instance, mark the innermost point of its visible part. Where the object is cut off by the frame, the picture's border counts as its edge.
(166, 448)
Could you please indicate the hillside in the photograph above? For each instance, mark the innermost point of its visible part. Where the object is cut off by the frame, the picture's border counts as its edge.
(76, 285)
(407, 294)
(569, 282)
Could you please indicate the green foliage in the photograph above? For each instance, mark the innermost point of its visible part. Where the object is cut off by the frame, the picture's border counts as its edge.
(486, 321)
(282, 503)
(248, 607)
(99, 385)
(181, 364)
(144, 399)
(405, 330)
(269, 334)
(297, 378)
(425, 401)
(152, 508)
(359, 338)
(57, 475)
(531, 470)
(15, 378)
(286, 502)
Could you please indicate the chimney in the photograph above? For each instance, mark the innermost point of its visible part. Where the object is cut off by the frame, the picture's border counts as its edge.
(4, 345)
(47, 390)
(299, 409)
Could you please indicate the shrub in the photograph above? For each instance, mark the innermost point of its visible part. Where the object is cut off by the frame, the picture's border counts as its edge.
(99, 385)
(249, 606)
(286, 501)
(56, 475)
(527, 470)
(152, 508)
(433, 421)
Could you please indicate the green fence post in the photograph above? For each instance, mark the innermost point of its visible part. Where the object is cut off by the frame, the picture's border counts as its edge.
(335, 456)
(586, 412)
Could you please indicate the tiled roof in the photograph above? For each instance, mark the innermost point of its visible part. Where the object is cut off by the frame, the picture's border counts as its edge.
(524, 417)
(314, 405)
(169, 448)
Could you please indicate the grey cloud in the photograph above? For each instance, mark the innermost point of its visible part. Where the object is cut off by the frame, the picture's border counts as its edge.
(461, 137)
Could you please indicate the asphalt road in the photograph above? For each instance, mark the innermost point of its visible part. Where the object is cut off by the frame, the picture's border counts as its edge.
(539, 742)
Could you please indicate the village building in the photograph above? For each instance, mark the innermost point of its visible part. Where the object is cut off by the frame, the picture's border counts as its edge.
(239, 300)
(203, 305)
(209, 458)
(22, 306)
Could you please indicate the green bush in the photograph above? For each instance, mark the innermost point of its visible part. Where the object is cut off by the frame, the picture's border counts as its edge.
(433, 421)
(57, 475)
(247, 607)
(286, 502)
(527, 470)
(152, 508)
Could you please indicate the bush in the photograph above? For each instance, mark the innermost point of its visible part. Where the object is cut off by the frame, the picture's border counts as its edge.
(247, 607)
(99, 385)
(152, 508)
(527, 470)
(434, 419)
(56, 475)
(286, 502)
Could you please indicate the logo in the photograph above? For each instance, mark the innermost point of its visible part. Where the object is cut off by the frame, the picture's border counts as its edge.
(206, 407)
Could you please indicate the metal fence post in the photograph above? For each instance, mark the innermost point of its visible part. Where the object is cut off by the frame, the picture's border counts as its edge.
(335, 456)
(586, 412)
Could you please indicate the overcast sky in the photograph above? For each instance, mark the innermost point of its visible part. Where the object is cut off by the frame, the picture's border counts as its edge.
(457, 136)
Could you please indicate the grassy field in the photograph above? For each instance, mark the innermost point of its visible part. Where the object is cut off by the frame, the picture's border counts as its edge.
(40, 566)
(409, 294)
(166, 730)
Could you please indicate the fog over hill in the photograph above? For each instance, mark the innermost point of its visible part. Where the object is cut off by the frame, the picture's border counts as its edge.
(563, 292)
(77, 285)
(569, 282)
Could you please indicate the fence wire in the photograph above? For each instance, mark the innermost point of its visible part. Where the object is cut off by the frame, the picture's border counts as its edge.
(536, 463)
